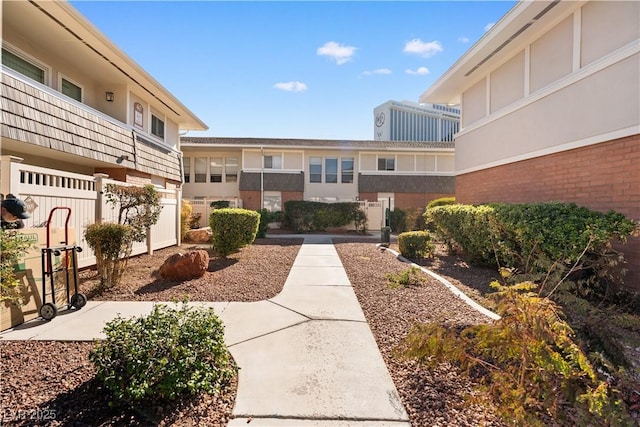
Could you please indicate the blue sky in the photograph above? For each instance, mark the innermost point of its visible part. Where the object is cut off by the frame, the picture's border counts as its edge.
(293, 69)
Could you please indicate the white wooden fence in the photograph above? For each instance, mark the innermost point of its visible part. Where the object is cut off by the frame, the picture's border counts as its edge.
(43, 189)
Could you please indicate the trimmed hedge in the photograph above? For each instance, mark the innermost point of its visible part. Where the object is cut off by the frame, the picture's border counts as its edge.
(301, 215)
(415, 244)
(233, 229)
(535, 238)
(442, 201)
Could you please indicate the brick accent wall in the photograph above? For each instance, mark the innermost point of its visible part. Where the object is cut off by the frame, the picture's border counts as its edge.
(126, 175)
(602, 177)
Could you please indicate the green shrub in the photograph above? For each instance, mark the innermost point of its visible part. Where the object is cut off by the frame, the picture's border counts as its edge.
(219, 204)
(398, 220)
(301, 215)
(112, 245)
(415, 244)
(138, 207)
(167, 354)
(12, 247)
(185, 217)
(410, 277)
(266, 218)
(233, 229)
(442, 201)
(527, 361)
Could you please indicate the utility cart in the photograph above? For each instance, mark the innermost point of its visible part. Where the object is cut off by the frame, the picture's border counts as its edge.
(68, 267)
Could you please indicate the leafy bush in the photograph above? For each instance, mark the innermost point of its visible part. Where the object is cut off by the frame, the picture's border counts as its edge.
(410, 277)
(12, 247)
(398, 220)
(302, 215)
(194, 220)
(219, 204)
(185, 217)
(266, 218)
(415, 244)
(169, 353)
(111, 244)
(138, 207)
(233, 229)
(442, 201)
(527, 362)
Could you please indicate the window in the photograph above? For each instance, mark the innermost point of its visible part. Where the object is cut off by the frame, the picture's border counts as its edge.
(187, 169)
(23, 66)
(201, 169)
(386, 163)
(157, 127)
(273, 162)
(71, 89)
(231, 169)
(346, 167)
(272, 201)
(331, 170)
(315, 169)
(215, 169)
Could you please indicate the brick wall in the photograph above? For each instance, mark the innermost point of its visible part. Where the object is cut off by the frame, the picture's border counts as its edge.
(602, 177)
(251, 199)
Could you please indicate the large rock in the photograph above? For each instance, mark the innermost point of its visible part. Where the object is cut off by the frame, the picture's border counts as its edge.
(187, 266)
(199, 235)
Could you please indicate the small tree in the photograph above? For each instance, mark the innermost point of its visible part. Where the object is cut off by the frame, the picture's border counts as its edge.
(138, 209)
(12, 248)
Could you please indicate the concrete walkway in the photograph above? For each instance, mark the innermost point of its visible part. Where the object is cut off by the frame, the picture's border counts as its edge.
(307, 356)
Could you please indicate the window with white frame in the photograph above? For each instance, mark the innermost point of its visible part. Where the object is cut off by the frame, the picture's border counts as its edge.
(315, 169)
(231, 169)
(346, 170)
(72, 90)
(215, 169)
(331, 170)
(23, 66)
(200, 169)
(273, 161)
(186, 161)
(386, 163)
(157, 126)
(272, 201)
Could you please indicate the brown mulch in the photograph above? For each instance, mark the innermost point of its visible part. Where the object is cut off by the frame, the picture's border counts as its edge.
(55, 379)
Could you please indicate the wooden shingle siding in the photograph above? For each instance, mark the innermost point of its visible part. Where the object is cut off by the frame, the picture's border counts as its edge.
(37, 117)
(406, 184)
(272, 181)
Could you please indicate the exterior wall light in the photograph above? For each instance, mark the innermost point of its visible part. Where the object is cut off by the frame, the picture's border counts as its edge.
(109, 96)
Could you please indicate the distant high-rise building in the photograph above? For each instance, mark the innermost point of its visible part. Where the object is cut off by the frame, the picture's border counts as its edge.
(410, 121)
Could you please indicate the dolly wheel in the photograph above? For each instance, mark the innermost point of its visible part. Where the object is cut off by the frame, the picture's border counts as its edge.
(78, 301)
(48, 311)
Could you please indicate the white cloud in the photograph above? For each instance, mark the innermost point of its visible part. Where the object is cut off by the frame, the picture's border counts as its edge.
(489, 26)
(421, 71)
(338, 52)
(291, 86)
(377, 71)
(463, 39)
(424, 49)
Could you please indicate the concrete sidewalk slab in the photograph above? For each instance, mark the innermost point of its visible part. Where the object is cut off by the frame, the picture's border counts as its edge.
(317, 261)
(322, 302)
(247, 320)
(292, 422)
(316, 370)
(305, 276)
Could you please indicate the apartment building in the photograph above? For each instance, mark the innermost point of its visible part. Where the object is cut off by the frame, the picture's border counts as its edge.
(550, 100)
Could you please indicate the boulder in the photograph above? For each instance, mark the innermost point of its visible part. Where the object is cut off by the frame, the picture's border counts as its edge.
(187, 266)
(199, 235)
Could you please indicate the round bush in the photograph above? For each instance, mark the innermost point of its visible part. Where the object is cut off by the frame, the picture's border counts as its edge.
(233, 229)
(164, 355)
(415, 244)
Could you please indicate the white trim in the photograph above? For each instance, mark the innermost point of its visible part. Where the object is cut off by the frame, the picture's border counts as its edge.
(577, 39)
(609, 136)
(302, 148)
(252, 170)
(406, 173)
(606, 61)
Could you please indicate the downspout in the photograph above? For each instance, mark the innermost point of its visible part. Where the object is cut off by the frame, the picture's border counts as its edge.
(261, 177)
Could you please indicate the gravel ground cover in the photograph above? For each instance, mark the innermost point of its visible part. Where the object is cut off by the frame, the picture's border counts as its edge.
(51, 383)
